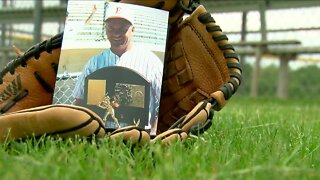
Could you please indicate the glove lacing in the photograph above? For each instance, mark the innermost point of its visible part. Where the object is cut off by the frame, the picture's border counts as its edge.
(35, 52)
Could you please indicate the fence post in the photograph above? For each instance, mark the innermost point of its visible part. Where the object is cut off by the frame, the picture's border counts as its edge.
(37, 16)
(256, 71)
(283, 77)
(4, 59)
(259, 51)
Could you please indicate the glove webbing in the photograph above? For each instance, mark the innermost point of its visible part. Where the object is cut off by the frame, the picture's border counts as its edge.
(229, 53)
(199, 125)
(34, 51)
(193, 4)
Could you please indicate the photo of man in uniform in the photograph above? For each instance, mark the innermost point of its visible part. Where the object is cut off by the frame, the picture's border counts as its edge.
(120, 28)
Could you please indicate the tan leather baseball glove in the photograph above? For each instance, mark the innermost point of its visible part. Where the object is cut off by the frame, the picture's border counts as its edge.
(202, 72)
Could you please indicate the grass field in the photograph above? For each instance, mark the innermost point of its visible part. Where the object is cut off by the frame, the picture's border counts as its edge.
(250, 139)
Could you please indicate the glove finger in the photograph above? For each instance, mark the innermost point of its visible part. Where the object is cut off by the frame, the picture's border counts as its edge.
(170, 136)
(53, 120)
(197, 116)
(132, 134)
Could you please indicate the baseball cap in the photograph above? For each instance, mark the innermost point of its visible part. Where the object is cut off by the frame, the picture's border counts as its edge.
(119, 12)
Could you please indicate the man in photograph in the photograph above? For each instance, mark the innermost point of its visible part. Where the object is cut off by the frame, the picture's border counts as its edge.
(120, 27)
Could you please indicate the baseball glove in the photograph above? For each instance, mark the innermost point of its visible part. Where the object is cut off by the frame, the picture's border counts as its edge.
(202, 72)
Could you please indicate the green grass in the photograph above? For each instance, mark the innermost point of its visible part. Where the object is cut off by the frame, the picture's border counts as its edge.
(250, 139)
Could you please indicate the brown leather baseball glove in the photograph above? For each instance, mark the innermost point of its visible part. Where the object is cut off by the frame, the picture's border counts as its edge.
(202, 72)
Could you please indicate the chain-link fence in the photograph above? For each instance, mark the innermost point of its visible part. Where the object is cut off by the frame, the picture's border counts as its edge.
(63, 89)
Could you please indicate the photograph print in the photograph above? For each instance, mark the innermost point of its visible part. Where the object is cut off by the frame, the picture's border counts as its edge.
(112, 62)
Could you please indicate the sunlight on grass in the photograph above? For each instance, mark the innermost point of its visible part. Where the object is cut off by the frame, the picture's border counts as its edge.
(250, 139)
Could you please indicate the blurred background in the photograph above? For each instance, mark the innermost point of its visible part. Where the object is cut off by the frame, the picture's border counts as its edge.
(278, 40)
